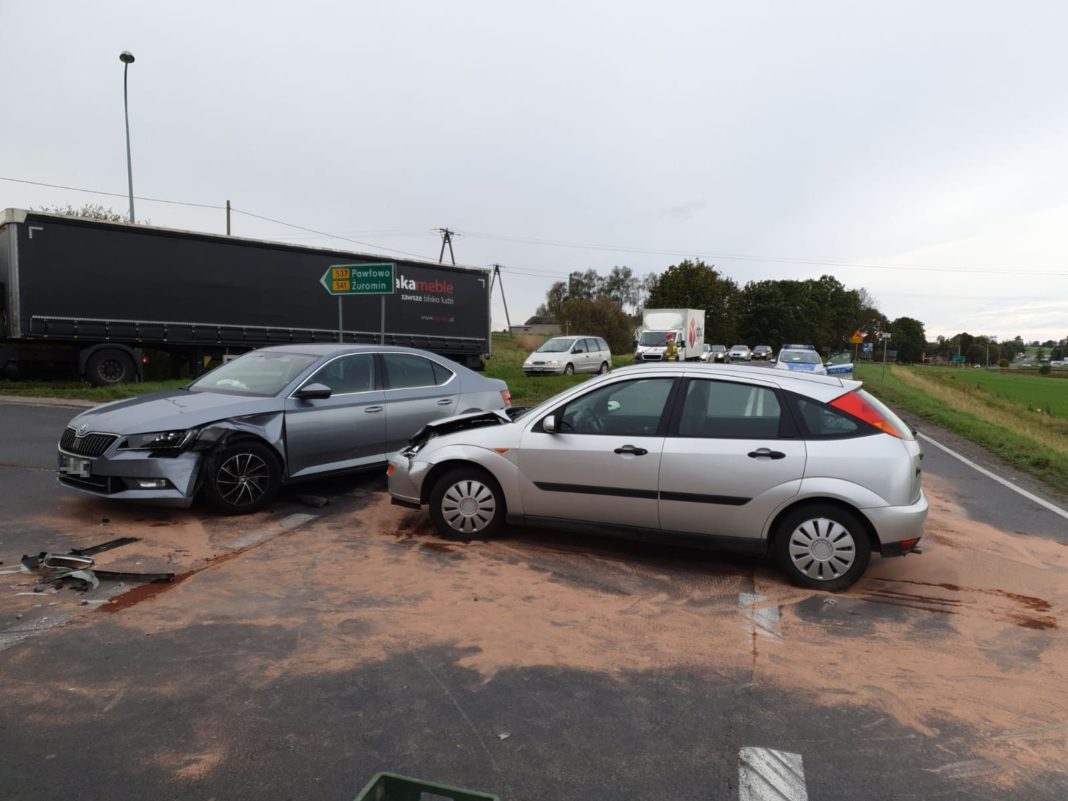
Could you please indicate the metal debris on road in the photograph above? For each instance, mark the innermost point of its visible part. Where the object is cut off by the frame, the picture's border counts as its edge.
(104, 546)
(78, 565)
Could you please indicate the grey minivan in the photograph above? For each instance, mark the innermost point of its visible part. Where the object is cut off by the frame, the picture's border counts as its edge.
(567, 355)
(271, 416)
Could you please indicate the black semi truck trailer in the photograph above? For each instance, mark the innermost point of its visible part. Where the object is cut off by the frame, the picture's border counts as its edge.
(94, 296)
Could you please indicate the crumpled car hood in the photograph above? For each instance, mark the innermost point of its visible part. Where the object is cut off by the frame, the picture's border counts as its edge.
(172, 410)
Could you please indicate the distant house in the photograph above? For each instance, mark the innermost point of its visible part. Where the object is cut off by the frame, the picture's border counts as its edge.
(544, 326)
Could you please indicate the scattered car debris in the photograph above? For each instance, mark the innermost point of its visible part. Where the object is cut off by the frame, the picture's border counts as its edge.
(104, 546)
(78, 565)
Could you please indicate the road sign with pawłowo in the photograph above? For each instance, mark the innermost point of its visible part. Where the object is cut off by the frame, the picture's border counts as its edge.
(359, 279)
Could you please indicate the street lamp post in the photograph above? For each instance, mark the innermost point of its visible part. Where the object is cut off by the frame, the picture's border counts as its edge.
(127, 58)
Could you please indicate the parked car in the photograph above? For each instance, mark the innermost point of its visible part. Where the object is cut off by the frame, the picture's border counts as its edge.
(813, 470)
(718, 354)
(762, 352)
(802, 358)
(740, 353)
(272, 416)
(567, 355)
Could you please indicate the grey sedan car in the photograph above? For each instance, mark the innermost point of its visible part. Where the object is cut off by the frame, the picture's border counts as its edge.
(271, 416)
(813, 470)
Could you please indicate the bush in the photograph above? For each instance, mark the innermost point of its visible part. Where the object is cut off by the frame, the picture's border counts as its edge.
(1003, 362)
(1044, 369)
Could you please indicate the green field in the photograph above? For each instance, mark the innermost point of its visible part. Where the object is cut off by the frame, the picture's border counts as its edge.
(1020, 417)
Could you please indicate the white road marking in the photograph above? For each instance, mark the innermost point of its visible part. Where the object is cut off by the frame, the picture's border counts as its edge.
(1003, 481)
(764, 620)
(768, 775)
(269, 532)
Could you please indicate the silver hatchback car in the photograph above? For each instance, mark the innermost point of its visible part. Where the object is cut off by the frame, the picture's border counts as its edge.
(271, 416)
(813, 470)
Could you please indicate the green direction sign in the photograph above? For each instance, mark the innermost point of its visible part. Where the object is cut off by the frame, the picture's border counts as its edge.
(359, 279)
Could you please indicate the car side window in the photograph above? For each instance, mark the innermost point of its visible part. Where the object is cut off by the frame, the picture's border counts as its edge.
(726, 410)
(347, 374)
(602, 344)
(823, 422)
(406, 370)
(626, 408)
(579, 346)
(442, 374)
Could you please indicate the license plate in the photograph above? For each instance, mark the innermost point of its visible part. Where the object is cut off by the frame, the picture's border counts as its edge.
(73, 466)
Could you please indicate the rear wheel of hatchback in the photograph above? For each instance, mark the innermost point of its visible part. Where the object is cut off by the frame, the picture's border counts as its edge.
(822, 546)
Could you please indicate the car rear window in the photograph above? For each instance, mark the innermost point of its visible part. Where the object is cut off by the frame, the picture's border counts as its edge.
(725, 410)
(408, 370)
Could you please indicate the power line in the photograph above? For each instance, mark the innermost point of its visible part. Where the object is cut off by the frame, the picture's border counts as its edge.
(113, 194)
(752, 258)
(574, 245)
(328, 235)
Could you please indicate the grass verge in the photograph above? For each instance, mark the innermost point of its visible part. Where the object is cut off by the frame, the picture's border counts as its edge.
(1033, 442)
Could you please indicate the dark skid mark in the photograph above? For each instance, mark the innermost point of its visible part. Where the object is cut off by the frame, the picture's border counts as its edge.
(1030, 601)
(440, 547)
(140, 593)
(1027, 622)
(907, 596)
(876, 600)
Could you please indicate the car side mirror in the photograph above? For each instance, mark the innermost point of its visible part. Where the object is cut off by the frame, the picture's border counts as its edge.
(579, 350)
(548, 424)
(313, 392)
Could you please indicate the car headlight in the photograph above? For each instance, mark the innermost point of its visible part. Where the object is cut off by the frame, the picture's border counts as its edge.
(554, 362)
(159, 440)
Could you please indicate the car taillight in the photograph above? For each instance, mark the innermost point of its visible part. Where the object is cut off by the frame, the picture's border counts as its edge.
(856, 406)
(506, 396)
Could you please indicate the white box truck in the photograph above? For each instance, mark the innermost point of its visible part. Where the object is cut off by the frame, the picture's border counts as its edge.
(684, 327)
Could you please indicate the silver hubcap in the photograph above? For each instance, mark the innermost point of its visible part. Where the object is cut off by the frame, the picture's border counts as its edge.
(822, 549)
(243, 479)
(468, 506)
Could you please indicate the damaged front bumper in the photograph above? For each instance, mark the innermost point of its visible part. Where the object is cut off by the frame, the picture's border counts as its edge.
(406, 480)
(131, 475)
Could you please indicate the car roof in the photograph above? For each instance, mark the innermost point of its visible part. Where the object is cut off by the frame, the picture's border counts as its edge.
(817, 386)
(335, 349)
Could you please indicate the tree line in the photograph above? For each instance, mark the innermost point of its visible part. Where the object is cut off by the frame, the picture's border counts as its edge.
(821, 312)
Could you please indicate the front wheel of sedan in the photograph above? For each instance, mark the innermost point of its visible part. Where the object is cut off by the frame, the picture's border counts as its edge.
(467, 502)
(241, 478)
(822, 547)
(569, 369)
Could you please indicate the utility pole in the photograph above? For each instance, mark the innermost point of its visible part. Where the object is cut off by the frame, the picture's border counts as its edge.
(446, 239)
(885, 337)
(228, 218)
(127, 58)
(499, 279)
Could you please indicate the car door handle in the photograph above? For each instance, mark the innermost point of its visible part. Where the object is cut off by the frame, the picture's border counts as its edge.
(631, 450)
(373, 409)
(444, 401)
(766, 453)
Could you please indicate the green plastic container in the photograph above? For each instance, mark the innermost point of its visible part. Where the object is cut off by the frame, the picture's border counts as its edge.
(391, 787)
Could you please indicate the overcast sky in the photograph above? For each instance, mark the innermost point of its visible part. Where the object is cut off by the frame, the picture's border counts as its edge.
(774, 139)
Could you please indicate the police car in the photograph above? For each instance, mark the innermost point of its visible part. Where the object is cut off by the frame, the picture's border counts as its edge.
(800, 358)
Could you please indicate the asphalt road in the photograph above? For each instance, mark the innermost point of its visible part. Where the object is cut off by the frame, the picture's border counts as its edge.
(304, 649)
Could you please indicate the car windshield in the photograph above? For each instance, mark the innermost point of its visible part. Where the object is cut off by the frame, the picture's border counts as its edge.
(262, 373)
(557, 345)
(719, 349)
(653, 339)
(799, 357)
(740, 347)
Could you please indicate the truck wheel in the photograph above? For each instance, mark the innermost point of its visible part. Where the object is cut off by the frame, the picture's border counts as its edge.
(241, 478)
(109, 366)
